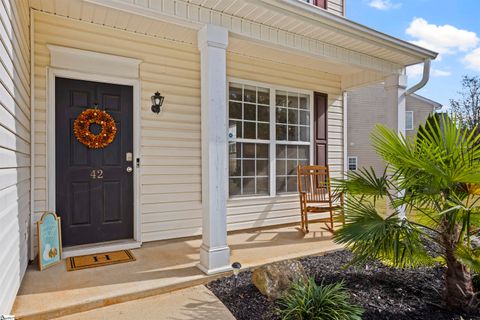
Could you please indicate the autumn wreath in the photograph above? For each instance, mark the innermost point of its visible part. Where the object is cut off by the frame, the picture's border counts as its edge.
(81, 128)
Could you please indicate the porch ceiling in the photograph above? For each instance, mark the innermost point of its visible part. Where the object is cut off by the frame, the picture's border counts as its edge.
(323, 40)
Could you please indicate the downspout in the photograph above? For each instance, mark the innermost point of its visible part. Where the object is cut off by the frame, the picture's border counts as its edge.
(423, 81)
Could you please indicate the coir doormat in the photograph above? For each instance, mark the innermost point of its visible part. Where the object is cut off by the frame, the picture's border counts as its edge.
(99, 260)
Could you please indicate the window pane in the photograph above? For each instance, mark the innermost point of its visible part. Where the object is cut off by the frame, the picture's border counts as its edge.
(234, 186)
(250, 94)
(262, 151)
(235, 92)
(250, 132)
(305, 117)
(281, 132)
(248, 186)
(292, 184)
(304, 134)
(248, 168)
(235, 167)
(249, 150)
(235, 128)
(281, 184)
(292, 133)
(281, 151)
(250, 112)
(281, 169)
(262, 168)
(291, 167)
(263, 113)
(281, 99)
(263, 131)
(303, 101)
(292, 152)
(293, 116)
(235, 110)
(262, 186)
(263, 96)
(303, 152)
(281, 115)
(292, 100)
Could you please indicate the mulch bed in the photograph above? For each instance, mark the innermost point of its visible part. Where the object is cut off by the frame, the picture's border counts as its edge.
(385, 293)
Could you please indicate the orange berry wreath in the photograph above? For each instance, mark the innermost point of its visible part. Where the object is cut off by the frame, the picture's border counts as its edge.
(81, 128)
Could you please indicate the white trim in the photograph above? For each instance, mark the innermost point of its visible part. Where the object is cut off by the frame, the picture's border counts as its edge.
(52, 73)
(407, 127)
(31, 239)
(93, 62)
(273, 141)
(100, 247)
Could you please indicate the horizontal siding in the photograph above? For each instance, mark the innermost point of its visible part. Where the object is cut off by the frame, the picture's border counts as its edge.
(366, 108)
(336, 6)
(14, 147)
(255, 212)
(170, 142)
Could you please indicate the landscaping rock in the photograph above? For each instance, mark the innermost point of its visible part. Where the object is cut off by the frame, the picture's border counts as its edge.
(274, 280)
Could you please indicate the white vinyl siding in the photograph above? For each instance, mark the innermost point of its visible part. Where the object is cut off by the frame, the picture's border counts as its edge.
(14, 147)
(336, 6)
(261, 211)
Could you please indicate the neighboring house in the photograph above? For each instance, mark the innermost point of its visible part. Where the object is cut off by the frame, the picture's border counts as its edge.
(367, 107)
(251, 88)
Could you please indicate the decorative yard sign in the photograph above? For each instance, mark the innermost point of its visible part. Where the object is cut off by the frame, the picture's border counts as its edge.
(49, 240)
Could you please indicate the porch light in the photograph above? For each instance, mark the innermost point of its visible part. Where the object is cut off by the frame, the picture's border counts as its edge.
(236, 266)
(157, 101)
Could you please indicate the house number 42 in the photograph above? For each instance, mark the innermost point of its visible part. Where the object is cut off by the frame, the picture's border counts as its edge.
(96, 174)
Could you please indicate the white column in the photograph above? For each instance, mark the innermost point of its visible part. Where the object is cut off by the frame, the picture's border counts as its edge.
(214, 252)
(395, 87)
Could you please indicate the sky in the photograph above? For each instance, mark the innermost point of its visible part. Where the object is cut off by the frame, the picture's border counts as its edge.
(449, 27)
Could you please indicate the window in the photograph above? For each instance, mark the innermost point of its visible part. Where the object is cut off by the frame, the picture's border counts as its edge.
(352, 163)
(269, 136)
(318, 3)
(409, 120)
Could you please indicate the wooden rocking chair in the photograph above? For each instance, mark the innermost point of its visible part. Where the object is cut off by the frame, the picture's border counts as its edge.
(316, 196)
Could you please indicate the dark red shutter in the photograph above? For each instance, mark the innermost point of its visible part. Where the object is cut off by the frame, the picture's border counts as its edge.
(321, 128)
(320, 3)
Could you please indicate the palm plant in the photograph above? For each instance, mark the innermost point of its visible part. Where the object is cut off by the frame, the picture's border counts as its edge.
(429, 185)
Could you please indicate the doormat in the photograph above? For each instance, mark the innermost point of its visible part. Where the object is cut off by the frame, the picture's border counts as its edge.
(99, 260)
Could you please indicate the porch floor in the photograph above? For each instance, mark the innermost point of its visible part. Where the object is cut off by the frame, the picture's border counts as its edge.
(160, 267)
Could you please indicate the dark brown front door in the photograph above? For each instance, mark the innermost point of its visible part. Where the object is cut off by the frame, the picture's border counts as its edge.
(94, 191)
(320, 105)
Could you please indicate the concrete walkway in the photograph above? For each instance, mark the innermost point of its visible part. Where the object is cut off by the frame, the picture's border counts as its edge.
(161, 266)
(196, 303)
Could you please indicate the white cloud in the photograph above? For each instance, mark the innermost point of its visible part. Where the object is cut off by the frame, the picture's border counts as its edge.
(440, 73)
(472, 60)
(445, 39)
(417, 70)
(384, 4)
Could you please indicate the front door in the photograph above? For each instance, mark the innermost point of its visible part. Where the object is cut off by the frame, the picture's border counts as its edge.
(94, 187)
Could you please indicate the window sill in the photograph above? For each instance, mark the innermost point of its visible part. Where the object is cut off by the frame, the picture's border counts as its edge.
(285, 195)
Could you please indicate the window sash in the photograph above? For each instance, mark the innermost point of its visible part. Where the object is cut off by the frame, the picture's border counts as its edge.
(272, 124)
(409, 120)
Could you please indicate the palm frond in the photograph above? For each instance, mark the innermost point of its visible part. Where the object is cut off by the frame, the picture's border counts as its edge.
(469, 258)
(392, 240)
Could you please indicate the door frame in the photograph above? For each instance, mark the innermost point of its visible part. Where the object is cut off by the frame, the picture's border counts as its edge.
(53, 73)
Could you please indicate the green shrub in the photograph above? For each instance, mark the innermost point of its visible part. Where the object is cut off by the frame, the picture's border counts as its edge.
(309, 301)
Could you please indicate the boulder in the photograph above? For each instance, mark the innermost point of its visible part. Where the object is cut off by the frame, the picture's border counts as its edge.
(274, 280)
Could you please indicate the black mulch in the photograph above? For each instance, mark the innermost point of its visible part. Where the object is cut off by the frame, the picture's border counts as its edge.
(383, 292)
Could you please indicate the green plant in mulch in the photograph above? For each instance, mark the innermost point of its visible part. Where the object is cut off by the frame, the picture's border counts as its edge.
(309, 301)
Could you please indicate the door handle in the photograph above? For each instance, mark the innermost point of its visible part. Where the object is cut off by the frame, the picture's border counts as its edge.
(129, 169)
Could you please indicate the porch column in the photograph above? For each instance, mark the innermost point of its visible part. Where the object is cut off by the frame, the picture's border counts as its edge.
(395, 87)
(214, 252)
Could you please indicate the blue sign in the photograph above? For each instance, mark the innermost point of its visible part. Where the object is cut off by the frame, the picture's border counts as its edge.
(49, 240)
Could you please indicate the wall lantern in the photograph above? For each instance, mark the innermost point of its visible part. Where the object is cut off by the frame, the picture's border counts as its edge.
(157, 101)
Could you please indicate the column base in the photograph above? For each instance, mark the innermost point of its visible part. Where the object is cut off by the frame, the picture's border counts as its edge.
(214, 260)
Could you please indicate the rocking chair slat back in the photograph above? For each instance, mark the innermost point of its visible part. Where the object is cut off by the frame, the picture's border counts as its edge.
(314, 183)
